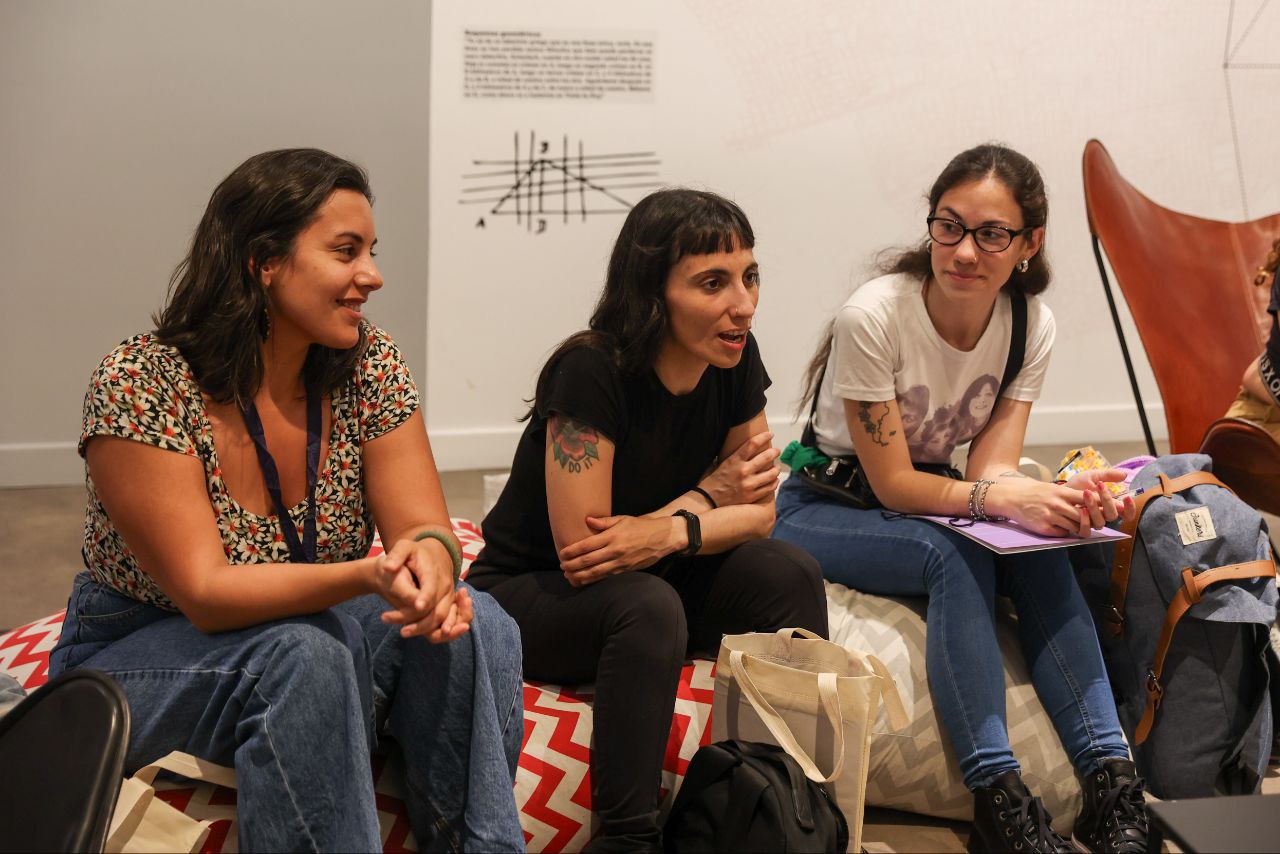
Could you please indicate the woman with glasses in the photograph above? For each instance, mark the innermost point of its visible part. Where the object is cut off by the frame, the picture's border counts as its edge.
(943, 316)
(635, 526)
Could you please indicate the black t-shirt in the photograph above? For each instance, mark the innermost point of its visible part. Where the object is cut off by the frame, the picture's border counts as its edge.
(1270, 366)
(663, 445)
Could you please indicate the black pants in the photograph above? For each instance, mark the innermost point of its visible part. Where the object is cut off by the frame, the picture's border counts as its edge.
(630, 634)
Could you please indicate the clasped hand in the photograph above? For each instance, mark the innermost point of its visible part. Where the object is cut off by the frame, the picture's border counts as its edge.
(620, 544)
(1073, 508)
(748, 475)
(416, 579)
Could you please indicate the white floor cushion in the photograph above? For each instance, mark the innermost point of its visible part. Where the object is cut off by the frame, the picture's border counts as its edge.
(915, 769)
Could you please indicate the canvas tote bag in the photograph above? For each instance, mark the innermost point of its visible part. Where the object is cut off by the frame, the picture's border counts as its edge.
(814, 699)
(144, 823)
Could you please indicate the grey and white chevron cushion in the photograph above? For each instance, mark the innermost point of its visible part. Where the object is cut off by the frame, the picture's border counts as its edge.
(915, 769)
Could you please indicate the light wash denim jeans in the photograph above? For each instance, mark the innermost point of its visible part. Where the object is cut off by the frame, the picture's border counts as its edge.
(296, 705)
(864, 550)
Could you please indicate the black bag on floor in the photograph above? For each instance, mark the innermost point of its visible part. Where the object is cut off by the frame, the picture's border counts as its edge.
(1183, 612)
(746, 796)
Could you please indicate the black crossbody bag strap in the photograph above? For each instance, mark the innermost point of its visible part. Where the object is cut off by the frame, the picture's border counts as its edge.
(1017, 342)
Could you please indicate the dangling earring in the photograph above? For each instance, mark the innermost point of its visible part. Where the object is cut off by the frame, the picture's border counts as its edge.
(1023, 265)
(928, 245)
(264, 326)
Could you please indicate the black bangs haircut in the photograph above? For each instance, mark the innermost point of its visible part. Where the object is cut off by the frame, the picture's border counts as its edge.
(216, 309)
(630, 318)
(729, 234)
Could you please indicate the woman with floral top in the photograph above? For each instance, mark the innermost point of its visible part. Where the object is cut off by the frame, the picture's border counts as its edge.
(263, 397)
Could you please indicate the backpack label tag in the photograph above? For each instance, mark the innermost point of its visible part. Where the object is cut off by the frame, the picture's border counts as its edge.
(1195, 525)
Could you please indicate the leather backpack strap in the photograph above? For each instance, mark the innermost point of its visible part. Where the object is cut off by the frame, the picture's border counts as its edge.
(1193, 586)
(1124, 548)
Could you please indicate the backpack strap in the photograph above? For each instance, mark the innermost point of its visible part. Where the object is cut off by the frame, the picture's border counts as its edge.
(1193, 586)
(1017, 341)
(1012, 365)
(1124, 548)
(746, 788)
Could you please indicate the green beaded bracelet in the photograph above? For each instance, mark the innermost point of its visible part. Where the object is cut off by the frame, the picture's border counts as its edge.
(450, 544)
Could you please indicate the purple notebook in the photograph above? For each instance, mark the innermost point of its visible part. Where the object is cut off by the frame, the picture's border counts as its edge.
(1007, 538)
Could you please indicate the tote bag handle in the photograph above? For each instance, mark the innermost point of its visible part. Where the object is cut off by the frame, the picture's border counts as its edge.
(143, 823)
(830, 700)
(888, 685)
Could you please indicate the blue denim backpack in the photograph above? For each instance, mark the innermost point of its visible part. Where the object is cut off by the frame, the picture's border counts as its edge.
(1183, 611)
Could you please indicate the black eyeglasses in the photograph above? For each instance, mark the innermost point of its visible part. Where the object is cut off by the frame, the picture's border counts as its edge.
(988, 238)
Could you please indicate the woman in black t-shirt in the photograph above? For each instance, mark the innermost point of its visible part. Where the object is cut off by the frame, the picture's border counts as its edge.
(635, 525)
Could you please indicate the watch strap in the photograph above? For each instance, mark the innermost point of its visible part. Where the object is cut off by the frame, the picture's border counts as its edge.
(694, 527)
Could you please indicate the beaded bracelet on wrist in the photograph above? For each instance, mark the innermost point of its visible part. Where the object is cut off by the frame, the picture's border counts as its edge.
(978, 502)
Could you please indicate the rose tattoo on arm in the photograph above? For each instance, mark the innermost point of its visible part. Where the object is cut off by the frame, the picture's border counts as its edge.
(574, 445)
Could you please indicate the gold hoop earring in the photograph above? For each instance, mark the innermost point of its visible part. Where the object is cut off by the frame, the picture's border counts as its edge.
(1023, 265)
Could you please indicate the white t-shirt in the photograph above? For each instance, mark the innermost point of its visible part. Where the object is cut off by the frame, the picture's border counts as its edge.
(885, 346)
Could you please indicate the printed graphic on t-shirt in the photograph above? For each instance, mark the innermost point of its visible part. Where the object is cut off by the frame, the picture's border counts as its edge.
(933, 438)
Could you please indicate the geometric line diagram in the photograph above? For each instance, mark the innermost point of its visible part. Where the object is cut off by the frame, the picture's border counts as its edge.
(539, 184)
(1258, 44)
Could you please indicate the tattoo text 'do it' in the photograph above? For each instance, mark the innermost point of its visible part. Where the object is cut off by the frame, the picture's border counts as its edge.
(575, 446)
(875, 425)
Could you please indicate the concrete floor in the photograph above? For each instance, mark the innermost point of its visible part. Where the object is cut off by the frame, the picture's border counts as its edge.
(41, 530)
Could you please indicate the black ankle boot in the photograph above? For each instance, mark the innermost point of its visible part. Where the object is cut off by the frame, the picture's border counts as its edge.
(1114, 817)
(1007, 818)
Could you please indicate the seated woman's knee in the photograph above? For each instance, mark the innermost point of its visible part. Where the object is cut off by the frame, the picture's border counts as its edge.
(645, 607)
(774, 563)
(327, 642)
(949, 553)
(498, 628)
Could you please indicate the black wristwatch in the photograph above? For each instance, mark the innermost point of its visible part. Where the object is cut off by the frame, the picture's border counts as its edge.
(695, 532)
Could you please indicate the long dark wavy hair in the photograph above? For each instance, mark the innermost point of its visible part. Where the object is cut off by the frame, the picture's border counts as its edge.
(215, 313)
(990, 160)
(630, 319)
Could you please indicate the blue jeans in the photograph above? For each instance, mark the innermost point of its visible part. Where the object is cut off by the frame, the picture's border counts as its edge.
(911, 557)
(296, 705)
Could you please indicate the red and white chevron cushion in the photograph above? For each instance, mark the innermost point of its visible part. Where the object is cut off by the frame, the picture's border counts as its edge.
(553, 780)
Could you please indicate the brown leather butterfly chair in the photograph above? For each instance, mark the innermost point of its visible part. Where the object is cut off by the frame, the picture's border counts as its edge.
(1189, 286)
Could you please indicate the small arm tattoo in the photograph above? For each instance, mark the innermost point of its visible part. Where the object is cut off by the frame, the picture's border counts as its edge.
(875, 427)
(575, 446)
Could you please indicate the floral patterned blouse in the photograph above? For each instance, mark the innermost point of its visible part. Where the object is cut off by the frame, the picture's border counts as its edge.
(144, 391)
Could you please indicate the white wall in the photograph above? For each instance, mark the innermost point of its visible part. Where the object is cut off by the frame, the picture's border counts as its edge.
(827, 121)
(116, 121)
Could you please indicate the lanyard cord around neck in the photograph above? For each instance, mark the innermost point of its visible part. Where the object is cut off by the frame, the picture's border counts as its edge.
(304, 550)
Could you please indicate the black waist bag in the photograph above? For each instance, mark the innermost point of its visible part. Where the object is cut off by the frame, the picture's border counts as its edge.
(746, 796)
(845, 480)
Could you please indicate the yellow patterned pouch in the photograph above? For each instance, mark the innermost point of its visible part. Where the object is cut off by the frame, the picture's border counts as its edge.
(1086, 459)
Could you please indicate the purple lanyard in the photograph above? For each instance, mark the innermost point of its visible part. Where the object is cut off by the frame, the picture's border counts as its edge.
(303, 551)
